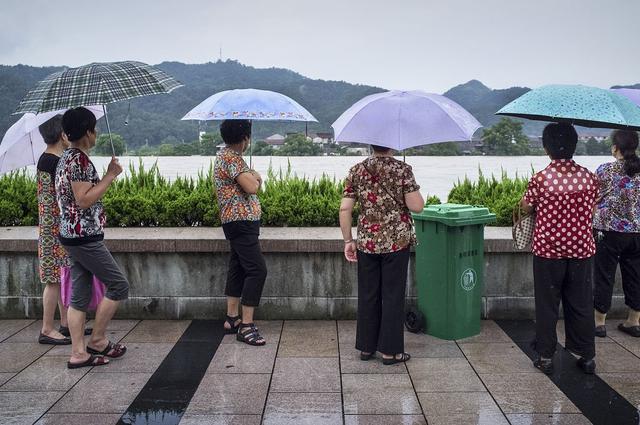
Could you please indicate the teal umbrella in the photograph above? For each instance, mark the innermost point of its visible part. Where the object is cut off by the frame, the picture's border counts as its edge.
(575, 104)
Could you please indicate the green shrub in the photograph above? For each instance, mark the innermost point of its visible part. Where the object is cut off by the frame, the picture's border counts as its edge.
(499, 195)
(145, 198)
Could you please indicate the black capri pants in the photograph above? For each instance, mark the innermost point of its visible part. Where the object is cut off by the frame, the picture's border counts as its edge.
(613, 248)
(94, 259)
(247, 268)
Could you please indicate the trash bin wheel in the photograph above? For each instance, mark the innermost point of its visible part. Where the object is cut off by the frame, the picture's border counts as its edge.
(414, 321)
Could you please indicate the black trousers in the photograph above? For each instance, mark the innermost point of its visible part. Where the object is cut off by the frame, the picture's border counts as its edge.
(382, 281)
(247, 269)
(569, 281)
(615, 248)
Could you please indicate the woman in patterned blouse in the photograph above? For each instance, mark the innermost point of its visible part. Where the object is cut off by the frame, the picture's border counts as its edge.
(386, 191)
(51, 255)
(617, 228)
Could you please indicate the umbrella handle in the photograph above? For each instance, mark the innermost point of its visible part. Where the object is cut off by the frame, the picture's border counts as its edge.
(106, 117)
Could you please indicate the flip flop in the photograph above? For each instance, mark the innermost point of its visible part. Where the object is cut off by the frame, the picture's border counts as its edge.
(44, 339)
(90, 362)
(365, 357)
(630, 330)
(112, 350)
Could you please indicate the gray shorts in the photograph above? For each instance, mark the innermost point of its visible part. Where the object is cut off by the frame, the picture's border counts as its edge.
(91, 259)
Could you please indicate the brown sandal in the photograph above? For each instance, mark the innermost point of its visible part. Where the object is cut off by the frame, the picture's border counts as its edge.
(112, 350)
(90, 362)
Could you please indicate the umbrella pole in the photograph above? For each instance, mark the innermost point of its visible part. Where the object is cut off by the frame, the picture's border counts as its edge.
(251, 146)
(106, 117)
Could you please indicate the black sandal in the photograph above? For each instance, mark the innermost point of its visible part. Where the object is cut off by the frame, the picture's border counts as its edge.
(404, 358)
(233, 328)
(44, 339)
(248, 333)
(64, 330)
(366, 356)
(630, 330)
(90, 362)
(112, 350)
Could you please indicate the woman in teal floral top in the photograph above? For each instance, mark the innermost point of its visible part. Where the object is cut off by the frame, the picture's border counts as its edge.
(617, 228)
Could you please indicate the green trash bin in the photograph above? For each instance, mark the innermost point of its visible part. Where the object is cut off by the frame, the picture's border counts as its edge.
(450, 268)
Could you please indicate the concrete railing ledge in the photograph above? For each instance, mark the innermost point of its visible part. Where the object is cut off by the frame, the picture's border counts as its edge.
(211, 239)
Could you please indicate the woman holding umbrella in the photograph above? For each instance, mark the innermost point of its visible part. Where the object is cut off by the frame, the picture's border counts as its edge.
(386, 191)
(79, 190)
(617, 229)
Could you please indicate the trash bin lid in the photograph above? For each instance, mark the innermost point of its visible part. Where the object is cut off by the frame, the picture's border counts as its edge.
(456, 214)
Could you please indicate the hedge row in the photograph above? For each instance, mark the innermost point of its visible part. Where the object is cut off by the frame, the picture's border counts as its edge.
(145, 198)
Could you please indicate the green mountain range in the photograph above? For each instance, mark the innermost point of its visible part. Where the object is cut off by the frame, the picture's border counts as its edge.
(156, 119)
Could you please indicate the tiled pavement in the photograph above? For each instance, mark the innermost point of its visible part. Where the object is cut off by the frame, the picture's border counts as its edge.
(308, 373)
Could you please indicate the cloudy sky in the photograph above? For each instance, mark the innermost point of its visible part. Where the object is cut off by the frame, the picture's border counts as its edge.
(402, 44)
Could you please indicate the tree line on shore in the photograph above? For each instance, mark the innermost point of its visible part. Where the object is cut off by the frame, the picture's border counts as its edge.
(506, 138)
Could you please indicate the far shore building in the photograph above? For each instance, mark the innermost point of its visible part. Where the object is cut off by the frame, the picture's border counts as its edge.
(276, 141)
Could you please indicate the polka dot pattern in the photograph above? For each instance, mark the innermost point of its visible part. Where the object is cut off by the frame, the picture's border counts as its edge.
(564, 211)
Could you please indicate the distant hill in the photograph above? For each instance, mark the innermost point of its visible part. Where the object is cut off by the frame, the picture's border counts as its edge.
(156, 119)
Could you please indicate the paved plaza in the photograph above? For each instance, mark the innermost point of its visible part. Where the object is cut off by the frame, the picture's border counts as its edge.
(308, 373)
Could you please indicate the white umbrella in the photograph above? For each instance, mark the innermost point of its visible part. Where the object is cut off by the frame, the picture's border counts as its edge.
(22, 144)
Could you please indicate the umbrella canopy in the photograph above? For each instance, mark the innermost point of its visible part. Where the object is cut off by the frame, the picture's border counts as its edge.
(404, 119)
(96, 84)
(631, 94)
(249, 104)
(22, 144)
(575, 104)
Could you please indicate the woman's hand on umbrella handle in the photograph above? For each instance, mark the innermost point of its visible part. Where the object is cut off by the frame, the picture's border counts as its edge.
(114, 169)
(350, 251)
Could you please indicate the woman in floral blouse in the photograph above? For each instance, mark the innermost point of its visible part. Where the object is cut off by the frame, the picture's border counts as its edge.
(617, 228)
(386, 191)
(51, 255)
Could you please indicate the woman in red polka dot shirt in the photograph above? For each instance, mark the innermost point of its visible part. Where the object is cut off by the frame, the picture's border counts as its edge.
(563, 196)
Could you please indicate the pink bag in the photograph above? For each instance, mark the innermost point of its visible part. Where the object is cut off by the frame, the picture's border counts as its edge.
(66, 285)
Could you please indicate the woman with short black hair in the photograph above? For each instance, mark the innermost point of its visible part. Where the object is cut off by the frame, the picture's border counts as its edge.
(617, 228)
(80, 190)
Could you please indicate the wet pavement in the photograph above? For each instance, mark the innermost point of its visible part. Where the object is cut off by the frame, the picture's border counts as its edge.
(309, 373)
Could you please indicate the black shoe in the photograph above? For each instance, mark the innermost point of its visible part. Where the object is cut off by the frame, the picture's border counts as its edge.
(65, 331)
(43, 339)
(601, 331)
(366, 356)
(630, 330)
(545, 365)
(587, 366)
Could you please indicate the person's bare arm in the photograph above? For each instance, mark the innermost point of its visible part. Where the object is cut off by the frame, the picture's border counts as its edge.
(346, 214)
(248, 182)
(414, 201)
(528, 209)
(86, 193)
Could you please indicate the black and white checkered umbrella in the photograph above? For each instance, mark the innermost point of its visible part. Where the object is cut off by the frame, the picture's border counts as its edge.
(96, 84)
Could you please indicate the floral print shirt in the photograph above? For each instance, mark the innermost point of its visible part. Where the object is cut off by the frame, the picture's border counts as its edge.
(51, 254)
(563, 195)
(618, 209)
(77, 225)
(379, 184)
(235, 204)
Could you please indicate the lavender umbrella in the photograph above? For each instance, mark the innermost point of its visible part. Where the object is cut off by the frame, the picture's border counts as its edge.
(631, 94)
(404, 119)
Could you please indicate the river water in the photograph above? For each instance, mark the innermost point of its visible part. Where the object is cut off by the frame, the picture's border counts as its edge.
(436, 175)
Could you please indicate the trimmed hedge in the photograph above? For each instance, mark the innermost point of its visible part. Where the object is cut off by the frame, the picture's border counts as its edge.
(146, 199)
(499, 195)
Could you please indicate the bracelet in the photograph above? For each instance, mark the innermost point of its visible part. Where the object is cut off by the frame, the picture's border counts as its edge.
(349, 241)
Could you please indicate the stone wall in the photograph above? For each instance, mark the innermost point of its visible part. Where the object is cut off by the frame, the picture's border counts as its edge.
(180, 273)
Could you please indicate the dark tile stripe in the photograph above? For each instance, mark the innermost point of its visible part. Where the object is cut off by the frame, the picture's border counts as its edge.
(597, 401)
(165, 397)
